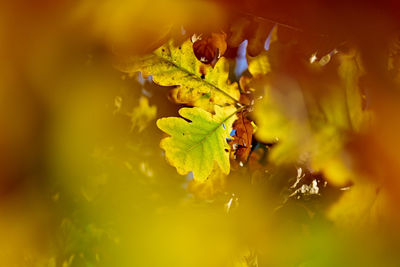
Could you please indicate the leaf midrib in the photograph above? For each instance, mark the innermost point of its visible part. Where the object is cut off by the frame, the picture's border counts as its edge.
(196, 77)
(211, 132)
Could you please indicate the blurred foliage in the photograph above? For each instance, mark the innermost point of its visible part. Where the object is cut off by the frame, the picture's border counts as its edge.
(312, 118)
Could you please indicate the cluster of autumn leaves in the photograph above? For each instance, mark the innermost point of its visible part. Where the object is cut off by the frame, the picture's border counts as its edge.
(196, 145)
(303, 107)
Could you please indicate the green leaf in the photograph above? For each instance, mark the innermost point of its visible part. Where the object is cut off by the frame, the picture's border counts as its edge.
(200, 144)
(197, 84)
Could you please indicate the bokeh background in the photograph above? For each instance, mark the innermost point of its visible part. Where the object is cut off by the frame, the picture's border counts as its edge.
(82, 183)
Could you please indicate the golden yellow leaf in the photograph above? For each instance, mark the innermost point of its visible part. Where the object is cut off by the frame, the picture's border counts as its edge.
(197, 84)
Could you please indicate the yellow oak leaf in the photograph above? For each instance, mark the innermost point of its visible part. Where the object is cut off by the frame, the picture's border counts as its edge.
(197, 84)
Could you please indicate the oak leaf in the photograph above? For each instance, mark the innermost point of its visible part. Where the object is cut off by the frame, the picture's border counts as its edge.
(197, 84)
(197, 146)
(242, 138)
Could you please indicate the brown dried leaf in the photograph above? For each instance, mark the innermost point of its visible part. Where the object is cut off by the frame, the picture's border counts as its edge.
(209, 49)
(241, 143)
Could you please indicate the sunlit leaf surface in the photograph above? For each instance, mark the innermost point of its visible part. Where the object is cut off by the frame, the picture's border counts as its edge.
(200, 143)
(197, 84)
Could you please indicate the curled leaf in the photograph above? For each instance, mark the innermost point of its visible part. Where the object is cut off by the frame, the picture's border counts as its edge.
(242, 138)
(209, 49)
